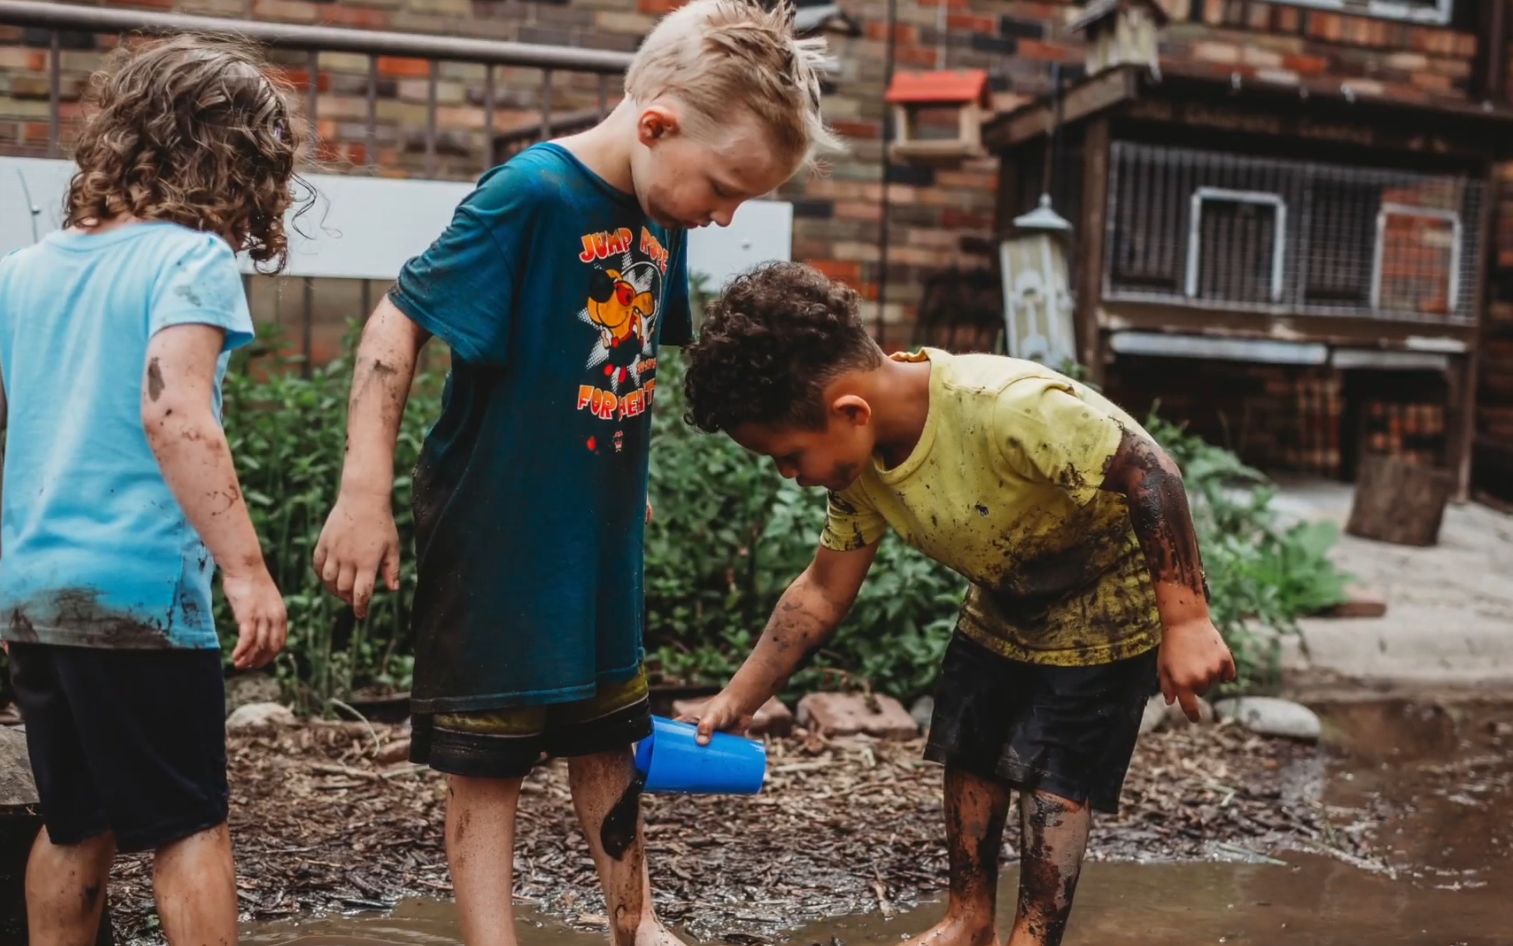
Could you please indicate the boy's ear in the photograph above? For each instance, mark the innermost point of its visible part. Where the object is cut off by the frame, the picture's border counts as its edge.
(656, 123)
(853, 409)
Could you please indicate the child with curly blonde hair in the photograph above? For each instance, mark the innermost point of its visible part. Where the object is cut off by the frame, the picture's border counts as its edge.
(120, 494)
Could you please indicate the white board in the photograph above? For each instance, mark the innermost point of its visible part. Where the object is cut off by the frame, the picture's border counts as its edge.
(367, 227)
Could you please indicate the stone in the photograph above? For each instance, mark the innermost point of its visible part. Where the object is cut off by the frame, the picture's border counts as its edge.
(245, 688)
(260, 716)
(1360, 603)
(850, 714)
(1153, 717)
(774, 718)
(397, 751)
(1270, 716)
(923, 711)
(17, 790)
(1176, 718)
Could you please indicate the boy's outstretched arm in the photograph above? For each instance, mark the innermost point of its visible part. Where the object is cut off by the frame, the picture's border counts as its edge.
(360, 537)
(805, 618)
(190, 445)
(1193, 654)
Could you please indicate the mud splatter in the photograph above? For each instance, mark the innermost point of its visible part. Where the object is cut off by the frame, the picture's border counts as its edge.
(1055, 836)
(618, 832)
(154, 381)
(1158, 511)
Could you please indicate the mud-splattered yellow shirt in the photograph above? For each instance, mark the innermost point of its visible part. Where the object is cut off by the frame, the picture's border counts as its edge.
(1003, 488)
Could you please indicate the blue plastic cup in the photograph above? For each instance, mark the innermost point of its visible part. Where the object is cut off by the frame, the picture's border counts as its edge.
(672, 761)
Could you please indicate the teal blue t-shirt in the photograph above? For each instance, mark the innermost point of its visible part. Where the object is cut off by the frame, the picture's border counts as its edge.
(554, 292)
(95, 551)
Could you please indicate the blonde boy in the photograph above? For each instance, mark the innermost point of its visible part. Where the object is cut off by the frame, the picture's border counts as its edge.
(556, 282)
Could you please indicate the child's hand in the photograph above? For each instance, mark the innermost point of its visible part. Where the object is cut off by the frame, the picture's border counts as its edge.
(1193, 657)
(261, 621)
(723, 713)
(359, 538)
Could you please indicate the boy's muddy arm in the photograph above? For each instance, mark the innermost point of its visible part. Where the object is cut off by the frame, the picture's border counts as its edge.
(1193, 654)
(360, 537)
(805, 618)
(190, 446)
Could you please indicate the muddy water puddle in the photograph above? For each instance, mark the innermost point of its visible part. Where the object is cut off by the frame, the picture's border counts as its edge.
(1431, 784)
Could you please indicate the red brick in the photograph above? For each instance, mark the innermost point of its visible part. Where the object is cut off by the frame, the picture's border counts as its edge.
(857, 210)
(1048, 52)
(358, 17)
(857, 129)
(395, 67)
(971, 23)
(658, 6)
(1306, 65)
(838, 269)
(916, 56)
(846, 714)
(903, 32)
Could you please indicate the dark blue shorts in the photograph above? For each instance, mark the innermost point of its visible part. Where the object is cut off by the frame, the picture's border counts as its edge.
(1069, 731)
(127, 741)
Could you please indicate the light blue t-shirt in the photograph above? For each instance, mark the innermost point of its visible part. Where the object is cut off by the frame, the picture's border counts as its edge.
(95, 551)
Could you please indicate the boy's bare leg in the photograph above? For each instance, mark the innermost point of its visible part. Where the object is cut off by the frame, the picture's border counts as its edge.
(65, 889)
(195, 886)
(976, 809)
(1055, 837)
(481, 852)
(607, 795)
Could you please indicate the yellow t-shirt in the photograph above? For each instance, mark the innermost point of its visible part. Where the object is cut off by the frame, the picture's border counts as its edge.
(1003, 488)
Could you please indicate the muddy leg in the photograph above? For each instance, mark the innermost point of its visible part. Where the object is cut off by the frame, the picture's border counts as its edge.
(65, 889)
(975, 812)
(481, 852)
(194, 883)
(607, 796)
(1055, 837)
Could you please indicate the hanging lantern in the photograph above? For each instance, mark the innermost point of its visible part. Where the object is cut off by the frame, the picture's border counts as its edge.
(1037, 295)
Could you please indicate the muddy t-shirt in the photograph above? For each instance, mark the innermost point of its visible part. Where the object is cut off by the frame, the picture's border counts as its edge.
(554, 291)
(95, 551)
(1003, 487)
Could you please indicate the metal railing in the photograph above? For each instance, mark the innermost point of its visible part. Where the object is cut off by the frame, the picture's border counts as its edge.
(556, 116)
(57, 18)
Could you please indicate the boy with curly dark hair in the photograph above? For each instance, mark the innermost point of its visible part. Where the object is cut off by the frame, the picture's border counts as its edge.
(1070, 523)
(121, 498)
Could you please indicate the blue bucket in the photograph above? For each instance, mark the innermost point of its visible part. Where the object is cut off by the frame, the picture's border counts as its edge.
(672, 761)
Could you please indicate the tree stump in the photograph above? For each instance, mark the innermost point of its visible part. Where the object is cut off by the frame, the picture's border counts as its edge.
(1399, 502)
(19, 824)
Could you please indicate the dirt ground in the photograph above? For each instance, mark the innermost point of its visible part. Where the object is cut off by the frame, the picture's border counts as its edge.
(842, 827)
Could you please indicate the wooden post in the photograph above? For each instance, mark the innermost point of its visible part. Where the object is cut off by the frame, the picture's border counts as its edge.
(1091, 237)
(1399, 502)
(1460, 440)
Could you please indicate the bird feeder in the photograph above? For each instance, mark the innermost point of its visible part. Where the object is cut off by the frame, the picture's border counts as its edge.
(938, 116)
(1037, 295)
(1121, 32)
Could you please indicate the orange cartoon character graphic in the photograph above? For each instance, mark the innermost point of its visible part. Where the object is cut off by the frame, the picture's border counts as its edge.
(622, 305)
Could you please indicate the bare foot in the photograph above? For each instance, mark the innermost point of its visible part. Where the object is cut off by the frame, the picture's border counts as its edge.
(652, 933)
(956, 931)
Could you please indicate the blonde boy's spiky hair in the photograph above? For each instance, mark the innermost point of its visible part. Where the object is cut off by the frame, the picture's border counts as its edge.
(711, 55)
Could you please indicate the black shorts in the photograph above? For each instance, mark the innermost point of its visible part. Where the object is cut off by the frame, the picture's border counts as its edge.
(1069, 731)
(131, 742)
(509, 742)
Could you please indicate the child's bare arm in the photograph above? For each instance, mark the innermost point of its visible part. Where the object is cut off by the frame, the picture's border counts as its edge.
(1193, 654)
(360, 537)
(805, 618)
(191, 449)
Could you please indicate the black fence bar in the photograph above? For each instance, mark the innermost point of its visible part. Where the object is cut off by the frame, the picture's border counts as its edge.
(372, 127)
(489, 146)
(54, 92)
(432, 81)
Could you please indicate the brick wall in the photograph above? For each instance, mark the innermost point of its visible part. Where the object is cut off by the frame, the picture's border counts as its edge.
(938, 216)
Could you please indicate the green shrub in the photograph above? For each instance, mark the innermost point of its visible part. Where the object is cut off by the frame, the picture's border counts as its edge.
(728, 536)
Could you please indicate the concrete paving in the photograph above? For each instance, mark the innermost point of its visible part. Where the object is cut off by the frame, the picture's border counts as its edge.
(1449, 620)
